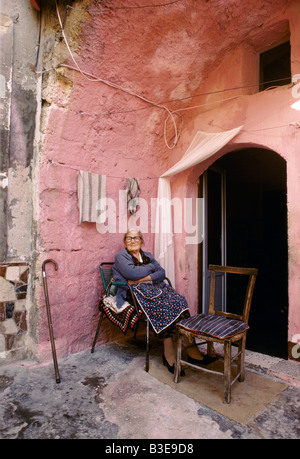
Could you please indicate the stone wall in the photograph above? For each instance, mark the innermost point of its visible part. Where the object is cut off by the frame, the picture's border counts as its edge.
(19, 128)
(66, 121)
(13, 310)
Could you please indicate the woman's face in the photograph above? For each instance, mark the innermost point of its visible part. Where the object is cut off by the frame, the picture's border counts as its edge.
(133, 241)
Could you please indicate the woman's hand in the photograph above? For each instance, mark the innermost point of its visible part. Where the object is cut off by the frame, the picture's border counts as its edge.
(143, 279)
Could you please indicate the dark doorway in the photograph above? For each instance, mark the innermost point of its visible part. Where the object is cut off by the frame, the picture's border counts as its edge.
(275, 66)
(256, 236)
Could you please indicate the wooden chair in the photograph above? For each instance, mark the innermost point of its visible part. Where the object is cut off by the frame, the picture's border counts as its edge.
(133, 313)
(219, 327)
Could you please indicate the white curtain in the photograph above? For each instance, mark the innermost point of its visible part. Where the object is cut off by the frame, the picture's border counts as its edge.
(204, 145)
(164, 248)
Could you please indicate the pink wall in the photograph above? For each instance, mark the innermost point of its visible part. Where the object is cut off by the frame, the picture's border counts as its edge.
(269, 121)
(161, 55)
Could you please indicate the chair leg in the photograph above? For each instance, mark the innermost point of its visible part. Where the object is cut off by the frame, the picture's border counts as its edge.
(97, 332)
(241, 360)
(136, 329)
(147, 347)
(178, 350)
(210, 349)
(227, 371)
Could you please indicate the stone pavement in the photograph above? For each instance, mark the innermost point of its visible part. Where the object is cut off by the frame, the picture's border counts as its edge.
(108, 395)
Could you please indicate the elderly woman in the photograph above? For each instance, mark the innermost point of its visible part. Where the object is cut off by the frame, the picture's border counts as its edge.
(162, 304)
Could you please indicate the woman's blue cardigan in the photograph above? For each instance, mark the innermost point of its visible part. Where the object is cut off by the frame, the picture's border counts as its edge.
(124, 269)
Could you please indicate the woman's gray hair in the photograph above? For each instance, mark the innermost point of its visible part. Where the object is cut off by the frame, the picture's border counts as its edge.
(136, 231)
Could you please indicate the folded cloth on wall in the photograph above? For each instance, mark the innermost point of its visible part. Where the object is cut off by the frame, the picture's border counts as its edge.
(133, 192)
(91, 197)
(125, 319)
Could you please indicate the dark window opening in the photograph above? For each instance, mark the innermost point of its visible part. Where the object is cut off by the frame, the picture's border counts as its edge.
(275, 66)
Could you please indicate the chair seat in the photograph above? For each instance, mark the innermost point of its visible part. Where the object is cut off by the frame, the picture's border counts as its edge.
(213, 325)
(124, 320)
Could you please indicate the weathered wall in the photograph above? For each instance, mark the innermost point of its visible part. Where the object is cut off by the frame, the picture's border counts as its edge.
(161, 54)
(13, 310)
(18, 129)
(89, 126)
(108, 119)
(269, 119)
(19, 109)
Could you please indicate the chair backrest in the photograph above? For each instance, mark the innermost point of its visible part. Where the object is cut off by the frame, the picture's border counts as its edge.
(106, 273)
(251, 272)
(110, 286)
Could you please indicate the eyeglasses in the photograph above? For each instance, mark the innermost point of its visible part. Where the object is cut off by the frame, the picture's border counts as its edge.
(134, 238)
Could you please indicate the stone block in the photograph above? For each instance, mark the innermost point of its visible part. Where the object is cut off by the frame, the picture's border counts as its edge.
(12, 273)
(8, 327)
(20, 305)
(7, 290)
(21, 290)
(24, 270)
(2, 312)
(9, 341)
(2, 346)
(9, 309)
(20, 319)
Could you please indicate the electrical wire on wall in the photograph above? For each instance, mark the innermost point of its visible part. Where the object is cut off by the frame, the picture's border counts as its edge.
(91, 77)
(171, 114)
(108, 9)
(293, 124)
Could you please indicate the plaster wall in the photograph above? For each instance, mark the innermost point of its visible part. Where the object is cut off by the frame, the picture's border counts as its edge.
(19, 97)
(269, 120)
(184, 50)
(18, 113)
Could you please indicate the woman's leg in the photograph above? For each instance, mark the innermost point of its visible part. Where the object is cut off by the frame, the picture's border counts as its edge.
(169, 351)
(192, 349)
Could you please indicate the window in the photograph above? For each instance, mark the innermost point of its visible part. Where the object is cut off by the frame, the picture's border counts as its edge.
(275, 66)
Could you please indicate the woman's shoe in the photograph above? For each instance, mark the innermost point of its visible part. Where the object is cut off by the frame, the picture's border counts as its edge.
(207, 359)
(171, 368)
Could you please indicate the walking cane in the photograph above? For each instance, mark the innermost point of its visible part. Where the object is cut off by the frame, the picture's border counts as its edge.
(49, 317)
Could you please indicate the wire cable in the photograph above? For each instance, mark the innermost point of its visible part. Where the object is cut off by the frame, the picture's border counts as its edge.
(123, 7)
(170, 113)
(91, 77)
(294, 124)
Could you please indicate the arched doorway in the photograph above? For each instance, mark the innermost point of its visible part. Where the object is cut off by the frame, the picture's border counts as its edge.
(253, 206)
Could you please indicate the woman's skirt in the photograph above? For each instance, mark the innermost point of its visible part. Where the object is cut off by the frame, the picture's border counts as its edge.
(162, 305)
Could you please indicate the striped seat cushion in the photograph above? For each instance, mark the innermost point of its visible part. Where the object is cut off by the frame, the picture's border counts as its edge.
(213, 325)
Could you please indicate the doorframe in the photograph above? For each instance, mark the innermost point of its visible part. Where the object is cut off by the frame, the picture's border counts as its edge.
(202, 248)
(205, 280)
